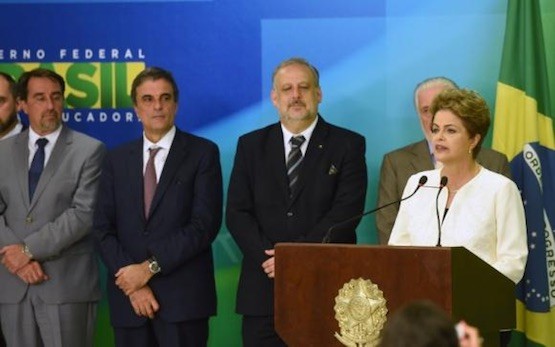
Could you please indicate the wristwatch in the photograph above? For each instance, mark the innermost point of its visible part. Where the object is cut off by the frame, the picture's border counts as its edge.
(153, 266)
(25, 250)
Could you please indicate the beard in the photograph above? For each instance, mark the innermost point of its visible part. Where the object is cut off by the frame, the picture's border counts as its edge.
(50, 123)
(8, 124)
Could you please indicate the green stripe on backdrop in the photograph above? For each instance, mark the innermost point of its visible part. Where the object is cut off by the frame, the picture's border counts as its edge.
(225, 328)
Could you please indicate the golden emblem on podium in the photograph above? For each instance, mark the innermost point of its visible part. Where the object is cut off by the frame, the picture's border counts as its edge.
(360, 310)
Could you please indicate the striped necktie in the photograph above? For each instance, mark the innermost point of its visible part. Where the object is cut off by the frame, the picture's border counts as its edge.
(294, 160)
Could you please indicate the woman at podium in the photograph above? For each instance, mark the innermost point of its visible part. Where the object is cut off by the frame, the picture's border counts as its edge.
(463, 203)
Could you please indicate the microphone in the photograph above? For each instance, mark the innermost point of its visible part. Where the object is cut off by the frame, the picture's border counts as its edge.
(442, 183)
(327, 238)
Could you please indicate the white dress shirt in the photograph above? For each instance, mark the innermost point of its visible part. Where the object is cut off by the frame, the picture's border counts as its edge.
(287, 135)
(52, 139)
(164, 144)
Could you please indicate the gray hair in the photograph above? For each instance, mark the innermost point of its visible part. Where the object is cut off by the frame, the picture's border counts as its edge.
(297, 61)
(433, 82)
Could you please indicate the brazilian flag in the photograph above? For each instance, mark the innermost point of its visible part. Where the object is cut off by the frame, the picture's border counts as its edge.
(523, 130)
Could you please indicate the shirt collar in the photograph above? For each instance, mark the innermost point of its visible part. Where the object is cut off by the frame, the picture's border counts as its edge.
(307, 133)
(164, 143)
(52, 137)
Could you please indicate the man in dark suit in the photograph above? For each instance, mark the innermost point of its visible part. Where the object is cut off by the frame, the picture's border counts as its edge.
(400, 164)
(285, 188)
(159, 209)
(49, 282)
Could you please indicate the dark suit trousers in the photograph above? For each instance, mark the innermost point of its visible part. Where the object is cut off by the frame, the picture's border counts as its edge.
(158, 333)
(259, 331)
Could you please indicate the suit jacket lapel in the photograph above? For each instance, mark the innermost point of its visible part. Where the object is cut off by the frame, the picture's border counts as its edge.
(56, 157)
(135, 175)
(21, 162)
(422, 159)
(178, 152)
(276, 158)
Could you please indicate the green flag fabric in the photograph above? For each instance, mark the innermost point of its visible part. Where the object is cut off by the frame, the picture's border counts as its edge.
(523, 130)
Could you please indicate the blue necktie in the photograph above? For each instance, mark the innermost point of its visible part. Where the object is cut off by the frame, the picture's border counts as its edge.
(36, 167)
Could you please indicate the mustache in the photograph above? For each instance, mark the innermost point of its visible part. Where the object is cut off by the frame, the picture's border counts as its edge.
(296, 103)
(51, 113)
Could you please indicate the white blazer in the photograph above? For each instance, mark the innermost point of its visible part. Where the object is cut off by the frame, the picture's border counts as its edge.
(486, 216)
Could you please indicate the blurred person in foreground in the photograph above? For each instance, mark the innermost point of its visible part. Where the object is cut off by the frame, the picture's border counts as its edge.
(424, 324)
(478, 209)
(398, 165)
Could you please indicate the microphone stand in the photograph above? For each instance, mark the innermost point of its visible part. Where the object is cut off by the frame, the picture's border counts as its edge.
(442, 184)
(327, 237)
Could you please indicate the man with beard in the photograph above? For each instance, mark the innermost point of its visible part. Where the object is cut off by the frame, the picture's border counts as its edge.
(49, 276)
(291, 182)
(10, 124)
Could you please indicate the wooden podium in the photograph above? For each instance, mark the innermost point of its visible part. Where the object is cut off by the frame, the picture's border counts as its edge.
(309, 277)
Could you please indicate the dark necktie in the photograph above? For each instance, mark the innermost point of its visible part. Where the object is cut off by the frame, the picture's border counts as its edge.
(37, 165)
(294, 160)
(150, 180)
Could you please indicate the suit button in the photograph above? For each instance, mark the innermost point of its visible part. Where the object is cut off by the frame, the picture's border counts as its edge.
(29, 220)
(289, 214)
